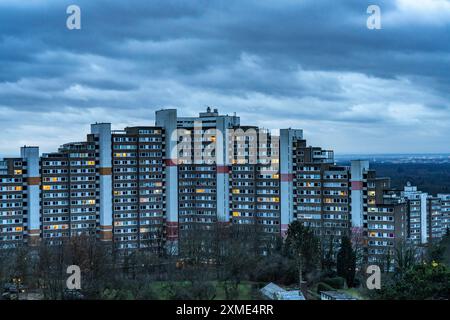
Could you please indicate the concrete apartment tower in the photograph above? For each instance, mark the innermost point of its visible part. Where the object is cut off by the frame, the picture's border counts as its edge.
(31, 156)
(358, 168)
(102, 132)
(223, 169)
(167, 119)
(417, 207)
(287, 138)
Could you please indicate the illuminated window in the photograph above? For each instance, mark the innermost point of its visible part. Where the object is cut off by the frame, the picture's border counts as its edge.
(276, 176)
(236, 191)
(371, 193)
(200, 191)
(46, 187)
(18, 188)
(119, 155)
(16, 172)
(18, 228)
(236, 214)
(91, 163)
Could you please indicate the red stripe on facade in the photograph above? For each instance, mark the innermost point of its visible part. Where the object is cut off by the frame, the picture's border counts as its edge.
(287, 177)
(357, 185)
(223, 169)
(170, 163)
(172, 230)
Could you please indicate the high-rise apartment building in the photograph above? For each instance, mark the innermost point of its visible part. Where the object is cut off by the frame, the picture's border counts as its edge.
(378, 215)
(138, 186)
(445, 209)
(13, 198)
(434, 225)
(417, 214)
(149, 186)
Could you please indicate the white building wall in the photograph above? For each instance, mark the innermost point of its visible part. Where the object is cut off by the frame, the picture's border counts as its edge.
(287, 137)
(167, 119)
(31, 156)
(103, 132)
(358, 168)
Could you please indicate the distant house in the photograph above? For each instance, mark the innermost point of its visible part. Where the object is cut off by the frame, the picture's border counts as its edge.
(274, 292)
(335, 295)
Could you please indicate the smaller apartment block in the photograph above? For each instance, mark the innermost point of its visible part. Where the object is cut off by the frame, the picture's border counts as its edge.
(13, 218)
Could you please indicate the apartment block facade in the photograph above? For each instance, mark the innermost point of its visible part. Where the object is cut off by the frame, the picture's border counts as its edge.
(148, 186)
(445, 209)
(378, 215)
(13, 198)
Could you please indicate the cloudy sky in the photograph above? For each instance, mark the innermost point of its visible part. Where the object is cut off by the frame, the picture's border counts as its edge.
(310, 64)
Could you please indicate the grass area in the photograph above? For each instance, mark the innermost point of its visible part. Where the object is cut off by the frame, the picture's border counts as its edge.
(354, 292)
(244, 289)
(245, 292)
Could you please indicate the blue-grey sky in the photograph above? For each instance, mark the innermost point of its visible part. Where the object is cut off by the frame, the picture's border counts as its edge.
(309, 64)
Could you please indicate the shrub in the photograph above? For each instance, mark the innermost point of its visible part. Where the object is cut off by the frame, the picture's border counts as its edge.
(324, 287)
(336, 282)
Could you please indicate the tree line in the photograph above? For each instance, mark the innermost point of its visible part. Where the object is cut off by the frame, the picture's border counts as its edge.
(219, 262)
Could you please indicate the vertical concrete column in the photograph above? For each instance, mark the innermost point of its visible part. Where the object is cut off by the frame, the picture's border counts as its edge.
(223, 171)
(423, 218)
(358, 167)
(33, 181)
(287, 137)
(103, 132)
(167, 119)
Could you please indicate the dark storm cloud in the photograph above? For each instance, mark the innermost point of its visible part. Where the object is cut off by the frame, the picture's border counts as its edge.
(304, 63)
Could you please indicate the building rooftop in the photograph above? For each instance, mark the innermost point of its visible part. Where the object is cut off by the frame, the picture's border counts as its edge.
(336, 295)
(275, 292)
